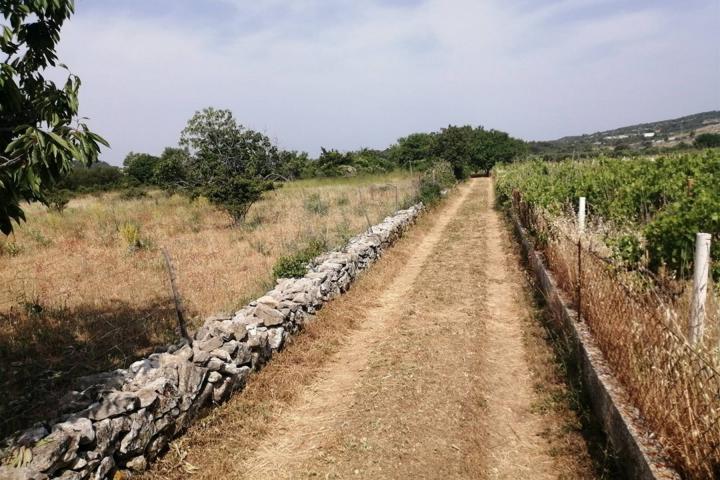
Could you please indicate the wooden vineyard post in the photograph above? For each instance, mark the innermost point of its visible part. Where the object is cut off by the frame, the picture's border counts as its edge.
(176, 296)
(700, 285)
(581, 215)
(397, 198)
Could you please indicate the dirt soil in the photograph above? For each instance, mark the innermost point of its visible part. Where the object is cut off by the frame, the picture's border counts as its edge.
(433, 366)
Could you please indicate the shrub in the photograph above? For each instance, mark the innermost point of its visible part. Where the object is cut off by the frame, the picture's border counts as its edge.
(133, 193)
(316, 205)
(435, 179)
(130, 232)
(295, 265)
(429, 191)
(235, 195)
(10, 249)
(57, 200)
(707, 140)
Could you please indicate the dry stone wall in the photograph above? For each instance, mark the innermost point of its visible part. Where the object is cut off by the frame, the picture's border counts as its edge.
(121, 420)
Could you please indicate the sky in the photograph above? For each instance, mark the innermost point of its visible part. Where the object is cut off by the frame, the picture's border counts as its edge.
(348, 74)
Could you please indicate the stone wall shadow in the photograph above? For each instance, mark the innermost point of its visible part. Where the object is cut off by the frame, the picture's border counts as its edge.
(43, 352)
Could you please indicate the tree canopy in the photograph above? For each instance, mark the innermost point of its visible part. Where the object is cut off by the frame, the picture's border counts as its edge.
(141, 166)
(227, 162)
(40, 134)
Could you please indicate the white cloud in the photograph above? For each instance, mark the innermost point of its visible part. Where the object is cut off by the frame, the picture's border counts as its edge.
(364, 74)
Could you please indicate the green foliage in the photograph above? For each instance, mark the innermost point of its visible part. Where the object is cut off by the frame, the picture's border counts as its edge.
(429, 192)
(170, 171)
(97, 177)
(315, 204)
(218, 145)
(415, 150)
(235, 194)
(133, 193)
(56, 200)
(439, 176)
(39, 136)
(10, 249)
(371, 161)
(140, 166)
(628, 248)
(294, 165)
(295, 265)
(228, 164)
(332, 163)
(475, 149)
(492, 147)
(666, 200)
(707, 140)
(456, 145)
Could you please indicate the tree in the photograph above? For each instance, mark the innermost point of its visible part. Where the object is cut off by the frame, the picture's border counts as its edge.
(332, 163)
(235, 194)
(294, 165)
(140, 166)
(493, 146)
(414, 150)
(371, 161)
(170, 170)
(39, 130)
(456, 145)
(228, 163)
(98, 176)
(218, 144)
(707, 140)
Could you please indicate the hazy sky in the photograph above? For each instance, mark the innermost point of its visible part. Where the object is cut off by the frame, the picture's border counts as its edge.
(350, 73)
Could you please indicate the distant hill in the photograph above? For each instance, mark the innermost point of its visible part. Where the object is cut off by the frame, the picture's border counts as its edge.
(654, 135)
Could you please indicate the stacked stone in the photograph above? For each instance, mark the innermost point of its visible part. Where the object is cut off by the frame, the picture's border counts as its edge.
(121, 420)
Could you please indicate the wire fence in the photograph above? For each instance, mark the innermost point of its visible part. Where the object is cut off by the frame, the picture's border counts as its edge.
(638, 325)
(77, 297)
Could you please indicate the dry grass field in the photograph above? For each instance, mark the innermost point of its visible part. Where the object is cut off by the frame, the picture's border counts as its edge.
(86, 290)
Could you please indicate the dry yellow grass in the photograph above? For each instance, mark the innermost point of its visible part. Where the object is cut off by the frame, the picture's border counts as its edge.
(76, 299)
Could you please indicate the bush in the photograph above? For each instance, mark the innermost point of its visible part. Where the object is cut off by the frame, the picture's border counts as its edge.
(133, 193)
(707, 140)
(235, 195)
(57, 200)
(295, 265)
(130, 232)
(429, 193)
(435, 179)
(315, 204)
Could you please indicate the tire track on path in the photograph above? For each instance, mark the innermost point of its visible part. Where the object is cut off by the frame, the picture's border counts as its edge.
(303, 429)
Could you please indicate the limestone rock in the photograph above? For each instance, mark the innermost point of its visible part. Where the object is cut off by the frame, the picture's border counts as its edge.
(48, 453)
(79, 427)
(106, 465)
(137, 464)
(113, 404)
(275, 338)
(268, 316)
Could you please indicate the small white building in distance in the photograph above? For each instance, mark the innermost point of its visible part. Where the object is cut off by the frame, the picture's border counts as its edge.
(649, 134)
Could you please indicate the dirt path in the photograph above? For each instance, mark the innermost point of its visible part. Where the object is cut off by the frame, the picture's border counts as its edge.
(444, 375)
